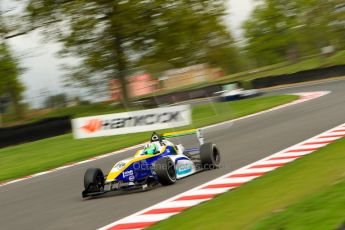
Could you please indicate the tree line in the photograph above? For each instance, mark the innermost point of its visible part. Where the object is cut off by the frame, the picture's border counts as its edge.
(112, 38)
(280, 30)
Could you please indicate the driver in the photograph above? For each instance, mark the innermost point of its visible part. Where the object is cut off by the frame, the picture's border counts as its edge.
(151, 149)
(154, 146)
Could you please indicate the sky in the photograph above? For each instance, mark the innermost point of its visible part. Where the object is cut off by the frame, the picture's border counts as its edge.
(43, 75)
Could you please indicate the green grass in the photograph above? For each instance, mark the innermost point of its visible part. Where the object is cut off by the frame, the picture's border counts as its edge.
(41, 155)
(73, 111)
(83, 110)
(323, 210)
(288, 67)
(306, 194)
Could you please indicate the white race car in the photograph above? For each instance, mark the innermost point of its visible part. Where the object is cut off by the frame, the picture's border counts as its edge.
(232, 92)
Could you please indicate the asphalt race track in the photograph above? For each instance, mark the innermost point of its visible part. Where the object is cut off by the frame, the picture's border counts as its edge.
(54, 201)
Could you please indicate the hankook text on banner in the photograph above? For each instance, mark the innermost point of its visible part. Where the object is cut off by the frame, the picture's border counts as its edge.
(132, 122)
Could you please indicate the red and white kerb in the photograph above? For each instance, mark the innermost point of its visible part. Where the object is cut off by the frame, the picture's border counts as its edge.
(207, 191)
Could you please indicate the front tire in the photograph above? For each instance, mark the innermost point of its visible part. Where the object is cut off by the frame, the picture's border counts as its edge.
(165, 170)
(93, 180)
(209, 156)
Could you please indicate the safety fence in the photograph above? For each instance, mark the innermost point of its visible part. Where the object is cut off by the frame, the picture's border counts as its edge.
(303, 76)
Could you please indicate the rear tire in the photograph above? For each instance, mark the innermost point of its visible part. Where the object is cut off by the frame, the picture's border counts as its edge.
(209, 156)
(93, 180)
(165, 169)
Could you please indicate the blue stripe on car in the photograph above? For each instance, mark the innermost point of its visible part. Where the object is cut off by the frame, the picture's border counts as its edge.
(192, 150)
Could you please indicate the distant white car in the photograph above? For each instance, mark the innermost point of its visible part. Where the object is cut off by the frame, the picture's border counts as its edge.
(233, 92)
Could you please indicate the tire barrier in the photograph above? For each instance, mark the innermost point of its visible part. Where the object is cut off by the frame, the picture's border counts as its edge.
(175, 97)
(303, 76)
(34, 131)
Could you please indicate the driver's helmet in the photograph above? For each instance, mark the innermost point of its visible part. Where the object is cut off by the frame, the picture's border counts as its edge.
(156, 137)
(151, 149)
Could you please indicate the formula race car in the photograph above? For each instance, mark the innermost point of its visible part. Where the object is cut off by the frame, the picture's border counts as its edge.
(159, 162)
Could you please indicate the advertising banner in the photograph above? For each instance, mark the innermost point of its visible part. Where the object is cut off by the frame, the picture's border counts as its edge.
(132, 122)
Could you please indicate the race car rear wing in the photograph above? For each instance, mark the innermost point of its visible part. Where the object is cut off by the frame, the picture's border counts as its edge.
(197, 132)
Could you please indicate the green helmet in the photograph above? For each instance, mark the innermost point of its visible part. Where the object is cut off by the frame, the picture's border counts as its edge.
(151, 149)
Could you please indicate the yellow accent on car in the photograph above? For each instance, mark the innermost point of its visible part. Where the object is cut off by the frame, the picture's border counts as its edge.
(138, 153)
(112, 175)
(184, 132)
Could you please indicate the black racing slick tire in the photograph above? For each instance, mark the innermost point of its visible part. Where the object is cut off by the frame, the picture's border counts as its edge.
(165, 170)
(93, 180)
(209, 156)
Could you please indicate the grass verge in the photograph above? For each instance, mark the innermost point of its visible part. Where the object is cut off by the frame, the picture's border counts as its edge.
(73, 111)
(288, 68)
(306, 194)
(25, 159)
